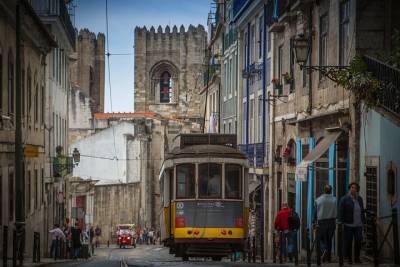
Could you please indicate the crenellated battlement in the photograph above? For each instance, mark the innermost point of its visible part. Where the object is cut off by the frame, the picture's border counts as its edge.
(140, 31)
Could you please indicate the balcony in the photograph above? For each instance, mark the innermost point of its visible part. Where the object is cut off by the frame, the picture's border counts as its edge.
(210, 72)
(389, 97)
(56, 8)
(255, 154)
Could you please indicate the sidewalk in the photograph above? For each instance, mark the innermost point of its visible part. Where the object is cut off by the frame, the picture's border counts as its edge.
(98, 253)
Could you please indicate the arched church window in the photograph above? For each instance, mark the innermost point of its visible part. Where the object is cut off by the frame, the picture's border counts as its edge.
(165, 87)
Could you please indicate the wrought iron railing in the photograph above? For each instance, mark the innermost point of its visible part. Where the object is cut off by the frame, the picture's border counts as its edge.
(56, 8)
(209, 72)
(389, 98)
(255, 153)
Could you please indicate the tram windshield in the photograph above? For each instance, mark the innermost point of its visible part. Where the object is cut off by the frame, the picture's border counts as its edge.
(210, 180)
(185, 177)
(233, 181)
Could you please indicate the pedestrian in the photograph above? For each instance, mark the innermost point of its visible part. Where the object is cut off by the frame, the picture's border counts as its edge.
(91, 238)
(325, 219)
(76, 234)
(97, 232)
(284, 224)
(68, 245)
(351, 214)
(57, 236)
(151, 237)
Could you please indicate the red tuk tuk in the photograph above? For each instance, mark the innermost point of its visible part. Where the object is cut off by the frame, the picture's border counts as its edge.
(126, 235)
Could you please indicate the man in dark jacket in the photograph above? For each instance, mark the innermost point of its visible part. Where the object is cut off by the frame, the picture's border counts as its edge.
(351, 214)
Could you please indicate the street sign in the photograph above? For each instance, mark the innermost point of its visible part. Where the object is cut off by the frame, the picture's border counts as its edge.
(31, 151)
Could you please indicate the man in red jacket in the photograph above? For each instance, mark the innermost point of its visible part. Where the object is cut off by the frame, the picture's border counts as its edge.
(282, 225)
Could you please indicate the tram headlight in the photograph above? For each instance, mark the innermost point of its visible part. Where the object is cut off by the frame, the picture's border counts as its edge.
(239, 222)
(180, 222)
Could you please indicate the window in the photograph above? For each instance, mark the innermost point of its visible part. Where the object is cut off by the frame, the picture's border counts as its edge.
(260, 36)
(269, 41)
(92, 89)
(291, 67)
(233, 181)
(42, 187)
(246, 46)
(10, 83)
(210, 179)
(344, 32)
(1, 80)
(230, 77)
(251, 130)
(29, 191)
(226, 79)
(280, 63)
(165, 87)
(36, 203)
(323, 40)
(244, 127)
(1, 197)
(260, 121)
(185, 181)
(229, 127)
(10, 196)
(36, 103)
(43, 103)
(253, 43)
(29, 90)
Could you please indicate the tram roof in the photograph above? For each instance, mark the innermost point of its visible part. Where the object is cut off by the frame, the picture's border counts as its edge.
(205, 151)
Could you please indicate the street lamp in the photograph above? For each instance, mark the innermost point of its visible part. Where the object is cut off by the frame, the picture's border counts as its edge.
(76, 156)
(302, 49)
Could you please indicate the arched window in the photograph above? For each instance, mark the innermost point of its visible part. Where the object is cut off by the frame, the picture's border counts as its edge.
(1, 79)
(10, 83)
(29, 90)
(36, 102)
(165, 87)
(164, 83)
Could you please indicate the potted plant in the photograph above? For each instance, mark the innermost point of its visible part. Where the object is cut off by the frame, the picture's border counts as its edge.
(288, 78)
(277, 85)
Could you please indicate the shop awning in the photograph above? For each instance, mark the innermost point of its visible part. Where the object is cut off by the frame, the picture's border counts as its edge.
(253, 184)
(316, 153)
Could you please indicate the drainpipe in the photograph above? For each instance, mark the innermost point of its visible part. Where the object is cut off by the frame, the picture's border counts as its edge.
(264, 51)
(247, 84)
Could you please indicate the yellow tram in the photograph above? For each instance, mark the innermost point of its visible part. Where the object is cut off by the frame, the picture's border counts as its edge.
(204, 197)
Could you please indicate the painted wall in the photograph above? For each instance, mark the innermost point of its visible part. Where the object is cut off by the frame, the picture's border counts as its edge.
(104, 154)
(380, 138)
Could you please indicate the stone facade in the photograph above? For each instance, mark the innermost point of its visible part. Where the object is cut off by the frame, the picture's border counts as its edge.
(168, 71)
(87, 84)
(307, 109)
(36, 52)
(88, 70)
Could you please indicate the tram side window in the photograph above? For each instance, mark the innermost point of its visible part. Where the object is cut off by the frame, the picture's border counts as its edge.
(210, 180)
(233, 181)
(185, 179)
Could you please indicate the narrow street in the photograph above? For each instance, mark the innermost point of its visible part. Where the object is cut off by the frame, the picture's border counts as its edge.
(157, 256)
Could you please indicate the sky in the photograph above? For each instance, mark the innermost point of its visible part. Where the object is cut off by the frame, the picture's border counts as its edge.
(123, 17)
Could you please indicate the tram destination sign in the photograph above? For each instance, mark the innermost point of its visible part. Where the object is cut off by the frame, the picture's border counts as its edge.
(207, 139)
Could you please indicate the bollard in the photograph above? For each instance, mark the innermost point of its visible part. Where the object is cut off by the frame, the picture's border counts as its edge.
(108, 243)
(396, 245)
(273, 247)
(254, 249)
(308, 247)
(317, 245)
(248, 250)
(340, 243)
(280, 247)
(5, 245)
(34, 248)
(375, 240)
(296, 249)
(14, 258)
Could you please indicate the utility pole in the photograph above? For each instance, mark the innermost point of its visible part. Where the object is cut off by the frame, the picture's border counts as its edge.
(19, 179)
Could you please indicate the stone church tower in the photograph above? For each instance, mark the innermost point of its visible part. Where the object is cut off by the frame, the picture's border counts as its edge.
(169, 71)
(88, 69)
